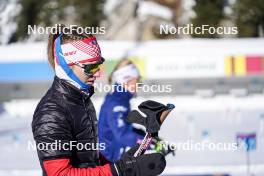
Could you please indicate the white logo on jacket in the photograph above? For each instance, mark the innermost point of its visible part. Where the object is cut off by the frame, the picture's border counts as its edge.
(120, 110)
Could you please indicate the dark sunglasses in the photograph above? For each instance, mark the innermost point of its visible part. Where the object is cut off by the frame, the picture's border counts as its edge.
(90, 69)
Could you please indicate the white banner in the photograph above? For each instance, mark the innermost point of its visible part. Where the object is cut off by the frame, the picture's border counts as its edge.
(160, 67)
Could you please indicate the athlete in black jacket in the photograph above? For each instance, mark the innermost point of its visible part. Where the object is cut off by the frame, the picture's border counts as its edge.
(64, 123)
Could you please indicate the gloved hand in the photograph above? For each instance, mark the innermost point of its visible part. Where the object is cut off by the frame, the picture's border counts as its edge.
(153, 111)
(144, 165)
(159, 146)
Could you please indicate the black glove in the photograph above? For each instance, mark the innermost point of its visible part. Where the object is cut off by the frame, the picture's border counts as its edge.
(144, 165)
(139, 131)
(152, 110)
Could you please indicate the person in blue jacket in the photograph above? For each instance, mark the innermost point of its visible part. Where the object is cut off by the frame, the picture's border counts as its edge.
(114, 131)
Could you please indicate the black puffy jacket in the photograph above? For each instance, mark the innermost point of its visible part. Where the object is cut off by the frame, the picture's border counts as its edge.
(66, 114)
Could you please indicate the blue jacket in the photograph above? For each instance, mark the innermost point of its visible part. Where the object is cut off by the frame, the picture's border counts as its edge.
(114, 131)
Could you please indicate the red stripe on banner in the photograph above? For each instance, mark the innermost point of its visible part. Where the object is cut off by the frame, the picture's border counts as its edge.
(262, 59)
(254, 64)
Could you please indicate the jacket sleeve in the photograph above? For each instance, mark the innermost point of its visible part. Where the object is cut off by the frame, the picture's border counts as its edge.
(103, 160)
(122, 129)
(52, 134)
(62, 167)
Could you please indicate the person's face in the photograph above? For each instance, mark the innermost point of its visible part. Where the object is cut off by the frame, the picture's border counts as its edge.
(79, 72)
(132, 85)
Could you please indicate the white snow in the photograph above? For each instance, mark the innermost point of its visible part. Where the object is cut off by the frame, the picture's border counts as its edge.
(222, 116)
(7, 23)
(149, 8)
(24, 52)
(110, 5)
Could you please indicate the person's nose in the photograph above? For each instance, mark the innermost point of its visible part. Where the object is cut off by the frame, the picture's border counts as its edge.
(97, 73)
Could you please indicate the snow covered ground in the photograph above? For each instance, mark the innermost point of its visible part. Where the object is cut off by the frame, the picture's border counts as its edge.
(8, 11)
(195, 119)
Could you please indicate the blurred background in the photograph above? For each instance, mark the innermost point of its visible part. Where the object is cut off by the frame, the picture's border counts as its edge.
(217, 80)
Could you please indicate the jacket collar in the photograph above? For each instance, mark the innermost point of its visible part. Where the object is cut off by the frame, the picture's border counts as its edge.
(66, 88)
